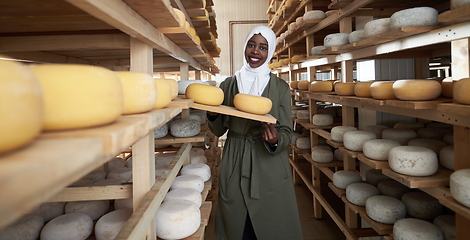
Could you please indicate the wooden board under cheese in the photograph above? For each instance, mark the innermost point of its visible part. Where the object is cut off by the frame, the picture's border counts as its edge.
(227, 110)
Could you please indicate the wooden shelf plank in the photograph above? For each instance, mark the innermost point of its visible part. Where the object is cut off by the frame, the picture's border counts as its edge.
(456, 15)
(227, 110)
(169, 139)
(380, 228)
(355, 208)
(335, 144)
(110, 192)
(440, 178)
(432, 104)
(322, 133)
(350, 153)
(335, 163)
(182, 101)
(339, 192)
(455, 206)
(454, 108)
(376, 164)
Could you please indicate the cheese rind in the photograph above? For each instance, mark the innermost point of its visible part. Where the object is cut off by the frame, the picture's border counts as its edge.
(446, 157)
(400, 135)
(460, 186)
(185, 128)
(378, 149)
(338, 132)
(345, 88)
(322, 155)
(446, 223)
(27, 227)
(385, 209)
(140, 94)
(414, 17)
(412, 228)
(413, 161)
(322, 120)
(185, 194)
(95, 209)
(164, 92)
(72, 225)
(358, 193)
(188, 181)
(252, 104)
(422, 205)
(321, 86)
(375, 176)
(108, 226)
(336, 39)
(376, 27)
(432, 144)
(362, 89)
(200, 169)
(177, 219)
(392, 188)
(205, 94)
(382, 90)
(416, 90)
(354, 140)
(342, 179)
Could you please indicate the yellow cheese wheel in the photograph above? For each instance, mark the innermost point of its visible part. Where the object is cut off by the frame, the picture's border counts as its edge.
(303, 85)
(21, 105)
(382, 90)
(462, 91)
(321, 86)
(164, 93)
(345, 88)
(252, 104)
(362, 89)
(447, 89)
(79, 96)
(181, 17)
(294, 84)
(417, 90)
(205, 94)
(139, 91)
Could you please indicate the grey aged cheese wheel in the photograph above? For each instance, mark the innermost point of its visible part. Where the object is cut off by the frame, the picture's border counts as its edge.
(338, 132)
(161, 131)
(70, 226)
(202, 115)
(124, 174)
(358, 193)
(336, 39)
(314, 15)
(186, 194)
(421, 205)
(356, 36)
(188, 181)
(413, 161)
(27, 227)
(200, 169)
(322, 120)
(434, 133)
(303, 143)
(95, 209)
(108, 226)
(123, 203)
(375, 176)
(354, 140)
(446, 223)
(385, 209)
(177, 219)
(342, 179)
(317, 50)
(412, 228)
(49, 210)
(185, 128)
(295, 136)
(378, 149)
(414, 17)
(338, 154)
(433, 144)
(322, 155)
(448, 138)
(401, 135)
(446, 157)
(415, 126)
(392, 188)
(376, 27)
(303, 115)
(183, 84)
(376, 129)
(460, 186)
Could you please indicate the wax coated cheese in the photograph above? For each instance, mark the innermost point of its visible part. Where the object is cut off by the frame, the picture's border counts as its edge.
(205, 94)
(462, 90)
(362, 89)
(183, 84)
(342, 179)
(385, 209)
(417, 90)
(345, 88)
(252, 104)
(79, 96)
(413, 161)
(21, 105)
(378, 149)
(303, 85)
(140, 93)
(177, 219)
(164, 92)
(416, 229)
(382, 90)
(460, 186)
(174, 87)
(321, 86)
(294, 84)
(68, 226)
(422, 205)
(447, 89)
(108, 226)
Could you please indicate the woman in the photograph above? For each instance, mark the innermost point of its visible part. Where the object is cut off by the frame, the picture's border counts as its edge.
(256, 194)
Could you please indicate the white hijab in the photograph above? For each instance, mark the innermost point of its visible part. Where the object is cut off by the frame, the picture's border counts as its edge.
(253, 80)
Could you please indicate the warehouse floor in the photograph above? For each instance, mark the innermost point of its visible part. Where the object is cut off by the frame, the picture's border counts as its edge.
(324, 229)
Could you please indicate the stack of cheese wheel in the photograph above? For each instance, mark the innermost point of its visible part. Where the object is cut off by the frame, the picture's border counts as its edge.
(108, 226)
(382, 90)
(252, 104)
(422, 205)
(303, 85)
(79, 96)
(140, 92)
(416, 90)
(412, 228)
(414, 17)
(72, 225)
(354, 140)
(413, 161)
(345, 88)
(392, 188)
(378, 149)
(446, 223)
(446, 157)
(376, 129)
(460, 186)
(375, 176)
(321, 86)
(21, 106)
(376, 27)
(362, 89)
(27, 227)
(205, 94)
(338, 132)
(385, 209)
(342, 179)
(461, 90)
(358, 193)
(177, 219)
(401, 135)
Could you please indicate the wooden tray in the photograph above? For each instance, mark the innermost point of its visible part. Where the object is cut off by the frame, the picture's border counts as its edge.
(227, 110)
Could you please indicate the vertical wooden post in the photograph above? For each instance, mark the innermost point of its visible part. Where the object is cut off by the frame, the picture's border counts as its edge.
(197, 75)
(422, 68)
(184, 71)
(143, 151)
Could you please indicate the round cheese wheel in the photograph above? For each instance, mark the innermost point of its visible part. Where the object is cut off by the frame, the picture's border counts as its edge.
(422, 205)
(78, 96)
(252, 104)
(161, 131)
(433, 133)
(415, 126)
(338, 132)
(299, 21)
(362, 89)
(375, 176)
(49, 210)
(108, 226)
(376, 27)
(198, 159)
(295, 136)
(413, 161)
(321, 86)
(294, 84)
(322, 155)
(342, 179)
(164, 93)
(317, 50)
(461, 91)
(174, 87)
(68, 226)
(27, 227)
(188, 181)
(181, 17)
(140, 94)
(114, 164)
(314, 15)
(177, 219)
(401, 135)
(460, 186)
(184, 194)
(446, 157)
(432, 144)
(303, 143)
(356, 36)
(376, 129)
(336, 39)
(345, 88)
(354, 140)
(412, 228)
(446, 223)
(338, 154)
(303, 85)
(183, 84)
(124, 203)
(322, 120)
(292, 26)
(96, 175)
(303, 114)
(21, 105)
(185, 128)
(417, 90)
(447, 89)
(200, 169)
(382, 90)
(205, 94)
(414, 17)
(358, 193)
(392, 188)
(378, 149)
(124, 174)
(94, 209)
(385, 209)
(448, 138)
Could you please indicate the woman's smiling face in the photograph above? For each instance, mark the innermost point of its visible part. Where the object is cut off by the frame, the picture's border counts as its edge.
(256, 51)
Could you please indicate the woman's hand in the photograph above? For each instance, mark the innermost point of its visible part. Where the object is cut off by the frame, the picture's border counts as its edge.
(269, 133)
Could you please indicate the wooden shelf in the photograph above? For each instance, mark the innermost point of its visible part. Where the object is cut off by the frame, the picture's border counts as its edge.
(376, 164)
(440, 178)
(454, 108)
(335, 163)
(232, 111)
(335, 144)
(339, 192)
(456, 15)
(322, 133)
(350, 153)
(418, 104)
(183, 102)
(380, 228)
(455, 206)
(169, 139)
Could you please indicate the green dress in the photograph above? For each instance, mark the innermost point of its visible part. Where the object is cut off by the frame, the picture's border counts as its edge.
(255, 177)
